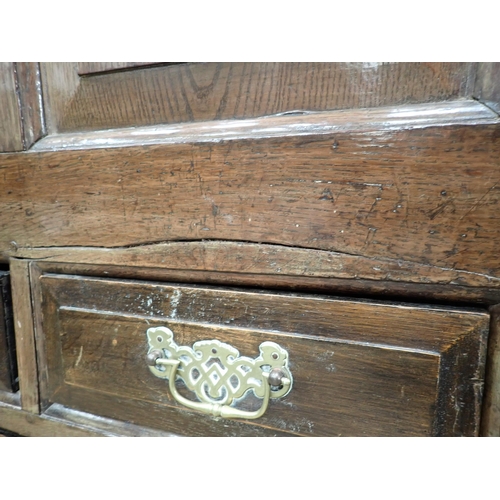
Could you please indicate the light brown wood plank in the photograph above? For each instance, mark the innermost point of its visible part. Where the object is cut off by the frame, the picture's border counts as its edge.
(425, 196)
(25, 340)
(208, 91)
(10, 120)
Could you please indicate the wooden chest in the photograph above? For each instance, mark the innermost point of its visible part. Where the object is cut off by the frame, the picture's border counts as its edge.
(201, 250)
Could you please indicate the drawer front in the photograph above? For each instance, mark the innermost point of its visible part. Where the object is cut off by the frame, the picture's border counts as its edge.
(8, 363)
(358, 367)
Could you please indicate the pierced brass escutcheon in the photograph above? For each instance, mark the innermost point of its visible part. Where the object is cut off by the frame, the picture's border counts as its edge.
(217, 374)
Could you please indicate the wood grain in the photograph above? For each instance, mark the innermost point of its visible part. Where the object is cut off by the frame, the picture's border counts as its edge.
(208, 91)
(361, 368)
(424, 196)
(10, 118)
(25, 340)
(8, 362)
(491, 408)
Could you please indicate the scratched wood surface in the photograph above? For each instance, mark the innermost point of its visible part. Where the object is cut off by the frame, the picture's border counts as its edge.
(424, 196)
(360, 368)
(207, 91)
(8, 363)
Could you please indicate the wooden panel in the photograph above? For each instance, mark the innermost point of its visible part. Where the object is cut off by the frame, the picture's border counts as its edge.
(25, 340)
(8, 363)
(425, 196)
(85, 68)
(10, 118)
(360, 368)
(208, 91)
(491, 418)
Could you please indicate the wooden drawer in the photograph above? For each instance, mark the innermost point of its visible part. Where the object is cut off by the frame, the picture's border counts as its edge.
(358, 367)
(8, 364)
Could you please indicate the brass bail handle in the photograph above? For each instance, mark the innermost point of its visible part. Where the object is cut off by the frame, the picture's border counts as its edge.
(217, 374)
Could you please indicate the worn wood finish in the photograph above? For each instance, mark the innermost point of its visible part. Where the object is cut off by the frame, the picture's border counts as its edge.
(8, 362)
(65, 422)
(360, 368)
(208, 91)
(487, 87)
(25, 340)
(491, 410)
(424, 196)
(10, 118)
(30, 102)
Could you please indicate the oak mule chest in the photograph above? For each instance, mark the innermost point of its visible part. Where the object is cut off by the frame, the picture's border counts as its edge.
(250, 249)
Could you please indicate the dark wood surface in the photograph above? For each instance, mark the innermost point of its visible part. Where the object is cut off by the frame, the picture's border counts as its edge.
(207, 91)
(8, 362)
(360, 368)
(422, 196)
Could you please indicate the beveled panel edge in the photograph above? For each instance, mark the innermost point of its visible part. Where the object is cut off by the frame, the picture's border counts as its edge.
(448, 113)
(60, 421)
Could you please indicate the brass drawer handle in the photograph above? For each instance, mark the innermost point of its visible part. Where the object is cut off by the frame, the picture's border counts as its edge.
(217, 374)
